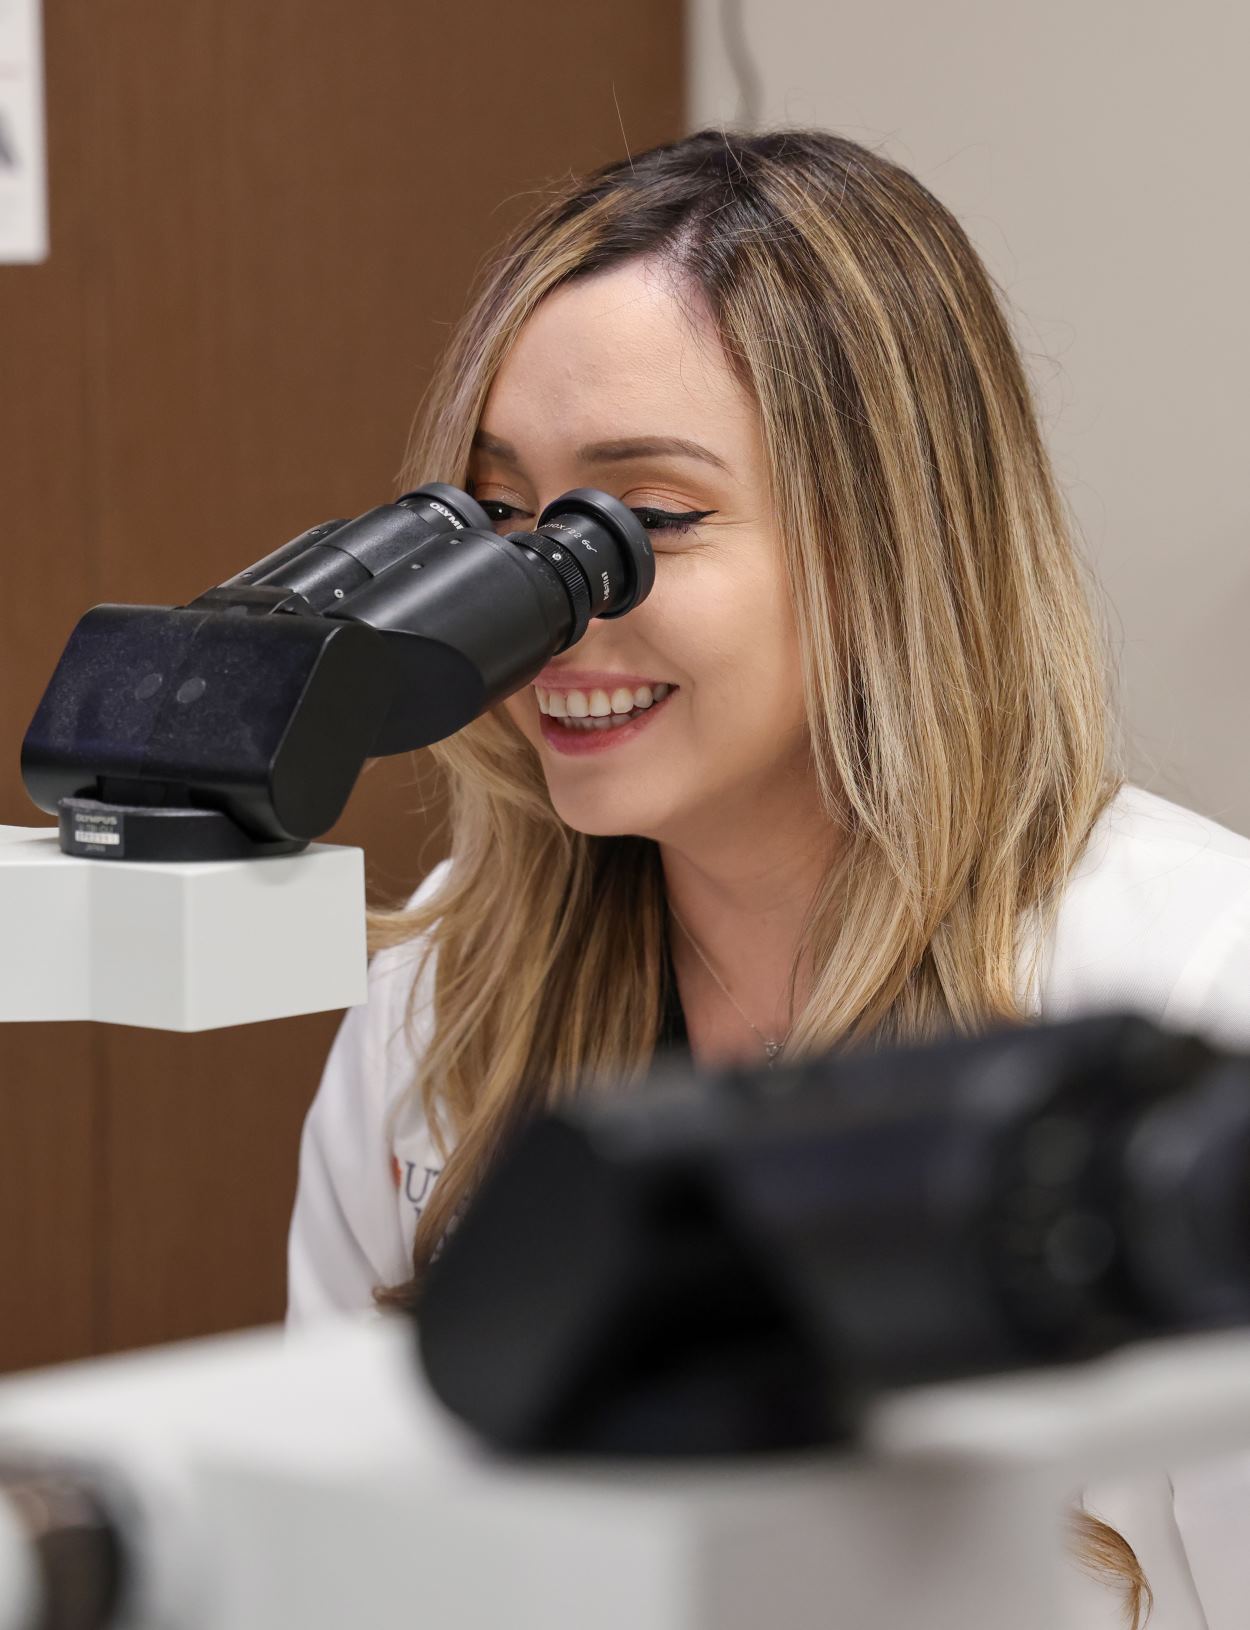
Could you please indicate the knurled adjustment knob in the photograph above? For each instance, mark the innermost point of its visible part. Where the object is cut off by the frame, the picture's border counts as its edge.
(562, 561)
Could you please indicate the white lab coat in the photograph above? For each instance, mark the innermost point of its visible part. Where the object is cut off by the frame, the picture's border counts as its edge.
(1155, 918)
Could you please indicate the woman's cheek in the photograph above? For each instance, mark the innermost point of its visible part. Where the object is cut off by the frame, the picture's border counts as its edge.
(518, 707)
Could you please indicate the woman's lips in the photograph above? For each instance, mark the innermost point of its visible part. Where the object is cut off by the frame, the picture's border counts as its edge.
(588, 679)
(575, 741)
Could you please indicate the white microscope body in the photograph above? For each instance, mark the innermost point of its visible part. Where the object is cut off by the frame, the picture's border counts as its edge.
(188, 945)
(312, 1480)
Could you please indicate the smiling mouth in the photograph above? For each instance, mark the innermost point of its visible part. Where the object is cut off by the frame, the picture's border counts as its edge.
(577, 710)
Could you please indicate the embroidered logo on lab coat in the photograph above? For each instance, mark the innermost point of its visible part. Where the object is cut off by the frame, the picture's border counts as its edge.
(414, 1180)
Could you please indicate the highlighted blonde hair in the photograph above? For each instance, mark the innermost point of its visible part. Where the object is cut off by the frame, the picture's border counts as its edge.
(955, 677)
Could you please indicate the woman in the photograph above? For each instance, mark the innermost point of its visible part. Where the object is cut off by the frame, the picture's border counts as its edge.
(863, 791)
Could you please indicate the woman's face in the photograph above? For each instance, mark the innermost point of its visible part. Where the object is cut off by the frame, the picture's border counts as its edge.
(610, 386)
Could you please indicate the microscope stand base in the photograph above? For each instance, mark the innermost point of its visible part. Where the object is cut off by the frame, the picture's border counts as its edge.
(95, 830)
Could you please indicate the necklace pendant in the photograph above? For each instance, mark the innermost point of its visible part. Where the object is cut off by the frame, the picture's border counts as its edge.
(772, 1048)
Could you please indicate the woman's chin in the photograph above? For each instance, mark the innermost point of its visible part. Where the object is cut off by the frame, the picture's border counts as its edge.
(602, 816)
(604, 795)
(599, 823)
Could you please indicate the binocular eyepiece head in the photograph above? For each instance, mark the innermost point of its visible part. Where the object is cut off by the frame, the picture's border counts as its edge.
(237, 723)
(588, 550)
(605, 540)
(595, 545)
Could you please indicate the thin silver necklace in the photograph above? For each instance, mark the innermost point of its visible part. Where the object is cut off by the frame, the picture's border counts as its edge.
(772, 1048)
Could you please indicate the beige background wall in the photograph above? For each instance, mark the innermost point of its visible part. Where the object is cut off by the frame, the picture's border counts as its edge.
(1097, 155)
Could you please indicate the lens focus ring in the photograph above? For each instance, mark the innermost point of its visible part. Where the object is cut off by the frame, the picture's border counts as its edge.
(561, 560)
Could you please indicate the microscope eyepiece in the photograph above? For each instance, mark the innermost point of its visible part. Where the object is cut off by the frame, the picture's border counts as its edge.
(609, 542)
(444, 507)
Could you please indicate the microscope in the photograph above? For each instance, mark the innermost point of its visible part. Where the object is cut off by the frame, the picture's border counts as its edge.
(180, 747)
(827, 1346)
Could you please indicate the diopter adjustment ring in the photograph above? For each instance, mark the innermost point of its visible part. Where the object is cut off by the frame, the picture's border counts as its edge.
(562, 561)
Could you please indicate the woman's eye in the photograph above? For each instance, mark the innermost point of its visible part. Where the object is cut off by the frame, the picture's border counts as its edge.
(669, 520)
(498, 511)
(653, 519)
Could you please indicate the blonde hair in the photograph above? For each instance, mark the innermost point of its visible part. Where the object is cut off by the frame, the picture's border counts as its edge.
(1107, 1556)
(954, 675)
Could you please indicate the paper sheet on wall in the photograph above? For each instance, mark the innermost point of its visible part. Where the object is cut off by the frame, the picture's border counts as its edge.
(23, 175)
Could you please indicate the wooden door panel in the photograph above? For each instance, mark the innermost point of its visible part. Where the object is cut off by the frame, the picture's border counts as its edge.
(264, 220)
(49, 1134)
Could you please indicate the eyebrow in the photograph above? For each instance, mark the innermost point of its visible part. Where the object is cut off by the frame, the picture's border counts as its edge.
(610, 452)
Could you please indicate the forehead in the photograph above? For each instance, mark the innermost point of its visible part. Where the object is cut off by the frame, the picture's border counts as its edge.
(619, 353)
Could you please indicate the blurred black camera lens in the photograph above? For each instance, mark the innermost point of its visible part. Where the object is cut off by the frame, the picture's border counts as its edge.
(738, 1261)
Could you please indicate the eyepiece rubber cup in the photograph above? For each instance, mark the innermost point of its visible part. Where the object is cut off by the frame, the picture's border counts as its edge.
(466, 510)
(625, 526)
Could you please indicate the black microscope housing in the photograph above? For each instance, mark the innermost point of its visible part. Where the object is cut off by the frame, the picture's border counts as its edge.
(237, 725)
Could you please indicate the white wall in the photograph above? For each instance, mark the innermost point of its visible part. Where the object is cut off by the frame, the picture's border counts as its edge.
(1096, 152)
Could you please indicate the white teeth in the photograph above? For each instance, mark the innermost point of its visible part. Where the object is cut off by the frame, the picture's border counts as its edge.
(599, 704)
(614, 721)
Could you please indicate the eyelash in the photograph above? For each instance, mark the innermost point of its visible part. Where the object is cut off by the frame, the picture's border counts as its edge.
(671, 521)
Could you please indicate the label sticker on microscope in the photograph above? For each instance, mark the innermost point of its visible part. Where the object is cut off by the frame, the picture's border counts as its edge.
(97, 834)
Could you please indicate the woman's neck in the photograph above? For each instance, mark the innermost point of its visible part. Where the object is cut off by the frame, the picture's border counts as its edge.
(744, 900)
